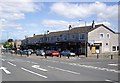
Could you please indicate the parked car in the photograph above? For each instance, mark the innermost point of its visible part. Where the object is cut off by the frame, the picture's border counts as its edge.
(27, 52)
(40, 52)
(12, 51)
(67, 53)
(31, 50)
(52, 53)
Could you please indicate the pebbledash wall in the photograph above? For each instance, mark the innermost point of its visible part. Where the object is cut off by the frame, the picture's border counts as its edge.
(103, 41)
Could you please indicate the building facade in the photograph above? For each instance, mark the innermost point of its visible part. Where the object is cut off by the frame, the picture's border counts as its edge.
(87, 39)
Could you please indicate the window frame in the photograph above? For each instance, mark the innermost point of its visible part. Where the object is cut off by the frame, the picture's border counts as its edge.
(107, 35)
(100, 35)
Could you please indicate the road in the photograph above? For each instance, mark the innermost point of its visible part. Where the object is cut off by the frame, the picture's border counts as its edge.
(37, 68)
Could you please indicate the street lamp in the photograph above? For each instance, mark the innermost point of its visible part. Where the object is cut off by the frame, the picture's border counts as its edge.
(85, 38)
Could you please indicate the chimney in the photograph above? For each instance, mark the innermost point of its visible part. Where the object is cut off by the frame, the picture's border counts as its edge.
(33, 35)
(47, 31)
(93, 24)
(70, 27)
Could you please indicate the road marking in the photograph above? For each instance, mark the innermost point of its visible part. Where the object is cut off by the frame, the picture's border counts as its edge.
(108, 80)
(93, 67)
(11, 64)
(3, 59)
(28, 61)
(34, 73)
(113, 64)
(64, 70)
(5, 70)
(34, 62)
(38, 67)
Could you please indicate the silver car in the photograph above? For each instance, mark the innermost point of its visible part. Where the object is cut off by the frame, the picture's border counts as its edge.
(67, 53)
(40, 52)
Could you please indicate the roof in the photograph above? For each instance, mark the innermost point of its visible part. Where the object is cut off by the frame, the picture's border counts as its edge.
(74, 30)
(87, 29)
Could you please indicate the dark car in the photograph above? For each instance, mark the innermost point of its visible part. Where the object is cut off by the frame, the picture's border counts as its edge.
(52, 53)
(67, 53)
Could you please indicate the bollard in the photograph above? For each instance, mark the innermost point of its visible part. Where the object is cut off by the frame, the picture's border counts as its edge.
(111, 56)
(68, 56)
(45, 56)
(97, 56)
(60, 55)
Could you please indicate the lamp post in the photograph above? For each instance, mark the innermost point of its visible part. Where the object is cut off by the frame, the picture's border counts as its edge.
(85, 38)
(27, 45)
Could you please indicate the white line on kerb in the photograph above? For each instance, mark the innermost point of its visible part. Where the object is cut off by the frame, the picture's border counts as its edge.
(11, 64)
(108, 80)
(34, 73)
(64, 70)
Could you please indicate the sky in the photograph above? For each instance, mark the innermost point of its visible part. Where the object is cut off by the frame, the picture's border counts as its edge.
(25, 18)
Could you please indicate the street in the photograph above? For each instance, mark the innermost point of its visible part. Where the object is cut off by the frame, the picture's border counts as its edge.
(37, 68)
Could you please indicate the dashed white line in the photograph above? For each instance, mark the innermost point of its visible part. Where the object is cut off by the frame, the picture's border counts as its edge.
(34, 62)
(11, 64)
(34, 73)
(63, 70)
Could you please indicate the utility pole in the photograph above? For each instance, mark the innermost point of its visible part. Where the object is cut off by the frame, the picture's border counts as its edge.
(85, 42)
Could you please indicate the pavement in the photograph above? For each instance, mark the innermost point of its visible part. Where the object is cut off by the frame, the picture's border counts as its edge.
(38, 68)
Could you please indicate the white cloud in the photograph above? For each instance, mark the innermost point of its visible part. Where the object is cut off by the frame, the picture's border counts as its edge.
(101, 10)
(56, 25)
(10, 12)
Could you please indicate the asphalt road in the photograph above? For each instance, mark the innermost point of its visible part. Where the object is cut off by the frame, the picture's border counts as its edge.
(37, 68)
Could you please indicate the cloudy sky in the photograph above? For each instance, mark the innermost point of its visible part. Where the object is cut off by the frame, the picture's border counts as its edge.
(20, 19)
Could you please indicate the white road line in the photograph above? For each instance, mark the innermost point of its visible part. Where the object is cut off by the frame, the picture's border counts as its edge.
(113, 64)
(108, 80)
(34, 73)
(34, 62)
(93, 67)
(11, 64)
(5, 70)
(2, 59)
(64, 70)
(38, 67)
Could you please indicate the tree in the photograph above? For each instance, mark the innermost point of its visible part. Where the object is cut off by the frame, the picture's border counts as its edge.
(10, 40)
(7, 45)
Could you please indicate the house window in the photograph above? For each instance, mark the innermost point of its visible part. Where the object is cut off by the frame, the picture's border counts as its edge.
(108, 35)
(106, 43)
(57, 38)
(82, 36)
(101, 35)
(114, 48)
(73, 36)
(117, 48)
